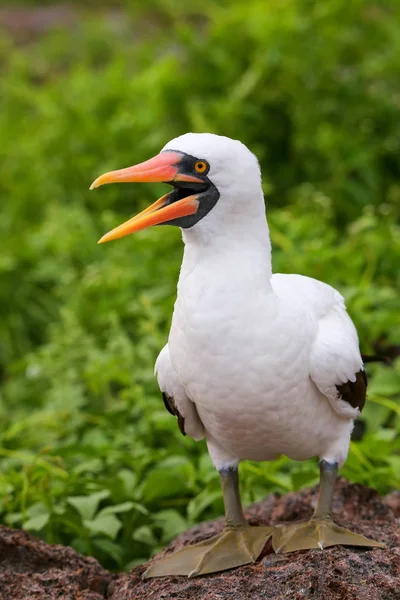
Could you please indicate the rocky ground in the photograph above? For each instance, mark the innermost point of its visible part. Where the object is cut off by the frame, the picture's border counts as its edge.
(31, 569)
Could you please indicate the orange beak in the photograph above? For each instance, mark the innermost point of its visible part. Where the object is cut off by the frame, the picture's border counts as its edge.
(161, 168)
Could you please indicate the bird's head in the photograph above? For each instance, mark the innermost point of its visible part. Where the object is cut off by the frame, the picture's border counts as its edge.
(210, 175)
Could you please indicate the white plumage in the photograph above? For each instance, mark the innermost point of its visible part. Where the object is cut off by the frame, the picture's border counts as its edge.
(258, 364)
(253, 359)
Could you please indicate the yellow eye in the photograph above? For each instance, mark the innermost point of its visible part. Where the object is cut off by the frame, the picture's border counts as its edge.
(200, 166)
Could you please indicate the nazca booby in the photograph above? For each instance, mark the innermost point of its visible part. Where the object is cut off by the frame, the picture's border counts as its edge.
(258, 364)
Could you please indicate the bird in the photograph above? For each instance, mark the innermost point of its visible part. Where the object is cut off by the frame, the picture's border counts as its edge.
(258, 364)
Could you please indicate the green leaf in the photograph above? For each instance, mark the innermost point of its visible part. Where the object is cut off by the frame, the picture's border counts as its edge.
(106, 546)
(385, 383)
(36, 523)
(168, 480)
(202, 501)
(107, 524)
(171, 522)
(304, 477)
(129, 480)
(117, 508)
(140, 508)
(144, 535)
(88, 505)
(39, 508)
(13, 518)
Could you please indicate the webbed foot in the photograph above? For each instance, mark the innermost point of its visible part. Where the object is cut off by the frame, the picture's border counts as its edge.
(316, 533)
(233, 547)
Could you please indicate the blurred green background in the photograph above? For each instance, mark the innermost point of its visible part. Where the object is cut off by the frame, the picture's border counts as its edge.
(89, 456)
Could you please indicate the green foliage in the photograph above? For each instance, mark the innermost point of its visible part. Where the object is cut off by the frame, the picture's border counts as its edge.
(89, 456)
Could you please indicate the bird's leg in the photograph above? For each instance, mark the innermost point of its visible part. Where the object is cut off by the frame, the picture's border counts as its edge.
(237, 544)
(321, 530)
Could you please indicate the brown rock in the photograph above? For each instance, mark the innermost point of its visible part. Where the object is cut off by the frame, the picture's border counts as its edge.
(31, 569)
(393, 500)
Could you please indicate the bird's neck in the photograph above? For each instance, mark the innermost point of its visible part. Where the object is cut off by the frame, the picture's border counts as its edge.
(229, 257)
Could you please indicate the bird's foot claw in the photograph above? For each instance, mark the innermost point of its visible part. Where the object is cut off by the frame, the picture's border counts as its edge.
(231, 548)
(316, 533)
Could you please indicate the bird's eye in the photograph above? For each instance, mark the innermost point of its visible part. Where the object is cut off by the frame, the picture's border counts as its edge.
(200, 166)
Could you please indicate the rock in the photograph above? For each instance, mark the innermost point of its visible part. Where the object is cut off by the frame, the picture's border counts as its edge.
(31, 569)
(393, 500)
(336, 573)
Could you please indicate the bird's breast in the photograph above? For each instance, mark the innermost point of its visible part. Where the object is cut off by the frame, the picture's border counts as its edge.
(246, 367)
(229, 349)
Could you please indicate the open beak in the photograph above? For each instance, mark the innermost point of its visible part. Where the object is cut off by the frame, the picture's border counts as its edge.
(161, 168)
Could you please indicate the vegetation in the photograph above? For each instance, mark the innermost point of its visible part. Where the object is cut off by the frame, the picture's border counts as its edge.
(89, 456)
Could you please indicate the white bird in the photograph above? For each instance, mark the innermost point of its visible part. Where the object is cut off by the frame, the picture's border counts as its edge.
(257, 364)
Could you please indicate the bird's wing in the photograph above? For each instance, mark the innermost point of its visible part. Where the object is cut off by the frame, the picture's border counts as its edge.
(175, 399)
(336, 366)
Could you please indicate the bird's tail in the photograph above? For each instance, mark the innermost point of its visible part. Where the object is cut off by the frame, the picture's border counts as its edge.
(370, 358)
